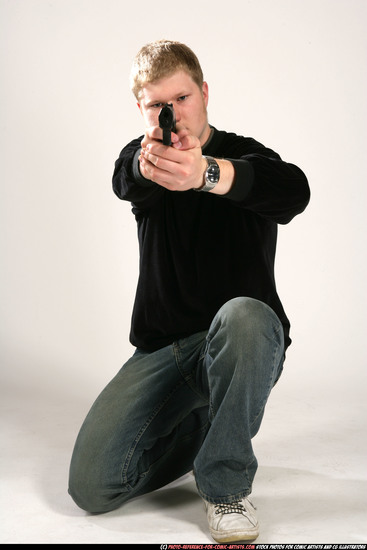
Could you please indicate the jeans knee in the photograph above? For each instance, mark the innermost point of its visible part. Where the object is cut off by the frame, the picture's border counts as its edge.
(247, 314)
(85, 497)
(93, 496)
(245, 324)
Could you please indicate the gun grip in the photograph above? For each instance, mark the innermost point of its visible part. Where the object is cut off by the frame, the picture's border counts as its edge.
(166, 136)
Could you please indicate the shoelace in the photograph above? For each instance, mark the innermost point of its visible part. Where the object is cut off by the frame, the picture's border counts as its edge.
(232, 508)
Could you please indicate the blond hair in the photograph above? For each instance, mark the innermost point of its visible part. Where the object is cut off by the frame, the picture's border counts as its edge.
(160, 59)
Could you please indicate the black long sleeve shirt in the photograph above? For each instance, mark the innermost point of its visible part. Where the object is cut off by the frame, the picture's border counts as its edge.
(198, 250)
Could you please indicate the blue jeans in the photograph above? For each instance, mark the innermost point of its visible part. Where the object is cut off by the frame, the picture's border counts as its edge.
(193, 405)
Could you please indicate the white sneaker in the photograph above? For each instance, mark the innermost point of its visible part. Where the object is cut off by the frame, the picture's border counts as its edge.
(232, 522)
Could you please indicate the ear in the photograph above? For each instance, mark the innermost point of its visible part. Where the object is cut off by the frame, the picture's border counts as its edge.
(139, 107)
(206, 93)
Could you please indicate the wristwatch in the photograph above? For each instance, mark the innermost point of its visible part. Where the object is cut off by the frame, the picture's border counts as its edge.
(211, 175)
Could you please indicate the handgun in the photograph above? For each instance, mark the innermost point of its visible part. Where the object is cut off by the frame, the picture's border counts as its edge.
(167, 121)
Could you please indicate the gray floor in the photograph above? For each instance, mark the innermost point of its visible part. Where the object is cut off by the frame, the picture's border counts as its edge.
(310, 486)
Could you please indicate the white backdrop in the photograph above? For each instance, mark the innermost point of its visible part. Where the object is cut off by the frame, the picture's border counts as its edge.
(290, 73)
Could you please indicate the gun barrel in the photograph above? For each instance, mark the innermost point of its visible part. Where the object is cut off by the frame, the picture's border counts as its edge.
(167, 121)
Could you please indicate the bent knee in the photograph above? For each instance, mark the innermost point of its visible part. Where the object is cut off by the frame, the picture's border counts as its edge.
(96, 498)
(243, 320)
(87, 499)
(242, 309)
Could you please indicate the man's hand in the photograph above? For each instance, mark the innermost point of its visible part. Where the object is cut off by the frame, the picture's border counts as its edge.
(177, 168)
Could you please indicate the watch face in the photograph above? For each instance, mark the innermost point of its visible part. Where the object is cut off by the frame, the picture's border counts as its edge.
(212, 173)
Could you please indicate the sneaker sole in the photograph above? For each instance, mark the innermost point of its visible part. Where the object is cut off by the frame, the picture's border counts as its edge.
(234, 536)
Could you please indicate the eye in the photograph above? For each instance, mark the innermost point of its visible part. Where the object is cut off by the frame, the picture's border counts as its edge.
(182, 98)
(156, 105)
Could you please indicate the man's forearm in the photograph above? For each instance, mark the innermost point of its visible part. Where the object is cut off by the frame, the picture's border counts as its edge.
(227, 176)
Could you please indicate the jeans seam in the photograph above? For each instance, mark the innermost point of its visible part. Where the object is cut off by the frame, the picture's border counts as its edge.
(270, 385)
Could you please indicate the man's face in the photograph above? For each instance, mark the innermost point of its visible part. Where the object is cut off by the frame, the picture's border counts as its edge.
(189, 103)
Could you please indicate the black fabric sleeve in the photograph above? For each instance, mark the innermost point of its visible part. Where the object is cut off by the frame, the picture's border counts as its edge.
(128, 183)
(244, 180)
(264, 183)
(274, 189)
(138, 177)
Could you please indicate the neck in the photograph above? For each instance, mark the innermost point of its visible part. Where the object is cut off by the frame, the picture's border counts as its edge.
(205, 135)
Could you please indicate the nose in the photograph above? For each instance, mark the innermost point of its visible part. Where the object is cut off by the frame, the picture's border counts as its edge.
(177, 112)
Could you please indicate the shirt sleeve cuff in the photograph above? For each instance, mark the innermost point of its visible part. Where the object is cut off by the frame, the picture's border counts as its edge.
(243, 182)
(141, 180)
